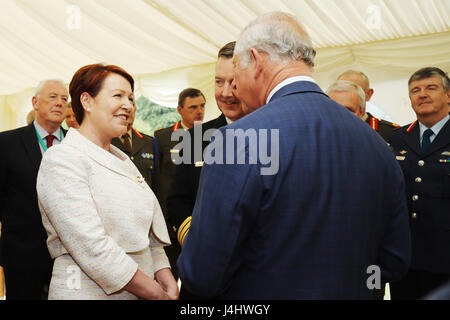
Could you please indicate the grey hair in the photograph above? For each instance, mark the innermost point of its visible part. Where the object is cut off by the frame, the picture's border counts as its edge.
(345, 86)
(278, 34)
(44, 82)
(429, 72)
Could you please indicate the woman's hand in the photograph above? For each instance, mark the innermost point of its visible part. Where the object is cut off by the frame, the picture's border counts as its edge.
(144, 287)
(168, 283)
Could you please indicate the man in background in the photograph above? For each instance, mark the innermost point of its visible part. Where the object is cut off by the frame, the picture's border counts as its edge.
(191, 107)
(24, 254)
(183, 191)
(70, 119)
(351, 96)
(423, 152)
(362, 80)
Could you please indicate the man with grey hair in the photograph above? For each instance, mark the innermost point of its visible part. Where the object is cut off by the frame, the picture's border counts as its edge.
(422, 149)
(351, 96)
(24, 254)
(300, 232)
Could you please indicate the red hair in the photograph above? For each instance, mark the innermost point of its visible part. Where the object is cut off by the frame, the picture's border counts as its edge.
(90, 79)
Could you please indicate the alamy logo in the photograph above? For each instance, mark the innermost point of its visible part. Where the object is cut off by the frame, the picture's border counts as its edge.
(234, 146)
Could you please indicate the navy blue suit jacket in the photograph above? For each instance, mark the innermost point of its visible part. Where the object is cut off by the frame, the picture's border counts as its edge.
(335, 207)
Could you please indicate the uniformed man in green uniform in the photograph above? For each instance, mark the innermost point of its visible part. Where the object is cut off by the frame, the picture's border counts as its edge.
(191, 107)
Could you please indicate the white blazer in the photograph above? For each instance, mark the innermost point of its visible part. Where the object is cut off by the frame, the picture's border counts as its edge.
(96, 206)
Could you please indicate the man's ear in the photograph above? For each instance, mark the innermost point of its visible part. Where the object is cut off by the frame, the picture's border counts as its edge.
(180, 110)
(369, 94)
(34, 101)
(258, 60)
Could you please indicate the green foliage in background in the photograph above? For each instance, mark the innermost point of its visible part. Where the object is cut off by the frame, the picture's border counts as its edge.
(151, 116)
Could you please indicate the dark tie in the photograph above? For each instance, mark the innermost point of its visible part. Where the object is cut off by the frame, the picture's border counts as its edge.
(426, 140)
(49, 139)
(127, 142)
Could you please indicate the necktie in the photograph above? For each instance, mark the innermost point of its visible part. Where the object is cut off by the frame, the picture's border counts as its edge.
(127, 142)
(49, 139)
(426, 140)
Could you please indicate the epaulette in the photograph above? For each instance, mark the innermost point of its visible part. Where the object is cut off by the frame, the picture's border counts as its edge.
(388, 123)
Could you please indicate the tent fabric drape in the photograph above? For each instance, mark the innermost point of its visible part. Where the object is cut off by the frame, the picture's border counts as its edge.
(170, 45)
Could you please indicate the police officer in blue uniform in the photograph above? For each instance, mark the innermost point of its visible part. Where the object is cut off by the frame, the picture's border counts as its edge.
(423, 152)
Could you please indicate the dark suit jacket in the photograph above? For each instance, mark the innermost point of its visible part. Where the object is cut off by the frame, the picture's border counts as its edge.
(143, 156)
(23, 239)
(428, 178)
(312, 229)
(183, 190)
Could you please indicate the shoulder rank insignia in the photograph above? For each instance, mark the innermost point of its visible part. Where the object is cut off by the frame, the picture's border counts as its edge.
(147, 155)
(176, 126)
(138, 133)
(199, 164)
(374, 123)
(411, 127)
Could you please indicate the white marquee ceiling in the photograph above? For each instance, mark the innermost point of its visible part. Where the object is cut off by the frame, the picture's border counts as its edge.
(43, 39)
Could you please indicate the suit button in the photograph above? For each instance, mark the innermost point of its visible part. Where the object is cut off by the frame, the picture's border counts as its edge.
(414, 215)
(421, 163)
(132, 158)
(418, 179)
(415, 197)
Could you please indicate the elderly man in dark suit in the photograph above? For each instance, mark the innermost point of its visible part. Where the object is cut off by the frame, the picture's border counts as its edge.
(423, 151)
(298, 226)
(24, 253)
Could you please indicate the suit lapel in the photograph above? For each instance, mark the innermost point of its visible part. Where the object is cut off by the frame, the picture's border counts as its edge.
(29, 139)
(115, 160)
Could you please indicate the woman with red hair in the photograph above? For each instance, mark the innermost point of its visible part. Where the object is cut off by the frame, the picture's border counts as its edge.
(105, 227)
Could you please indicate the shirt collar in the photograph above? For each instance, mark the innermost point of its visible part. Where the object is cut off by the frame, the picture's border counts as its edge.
(184, 126)
(436, 128)
(43, 133)
(286, 82)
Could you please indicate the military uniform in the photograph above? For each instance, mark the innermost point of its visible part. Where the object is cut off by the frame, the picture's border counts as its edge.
(383, 127)
(143, 155)
(427, 179)
(183, 191)
(166, 166)
(166, 170)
